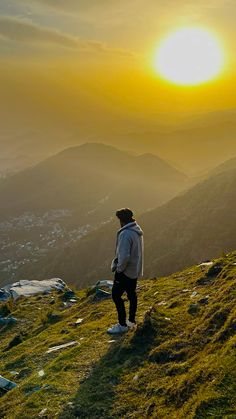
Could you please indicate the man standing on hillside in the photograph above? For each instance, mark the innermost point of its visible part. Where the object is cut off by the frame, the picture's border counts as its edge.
(128, 266)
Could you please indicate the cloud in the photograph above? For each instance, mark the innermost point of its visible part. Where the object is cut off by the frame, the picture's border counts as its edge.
(76, 4)
(24, 31)
(82, 4)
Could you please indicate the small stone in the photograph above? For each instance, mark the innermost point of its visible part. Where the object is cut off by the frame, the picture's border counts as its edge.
(136, 377)
(63, 346)
(41, 373)
(42, 413)
(68, 295)
(14, 373)
(6, 384)
(206, 264)
(162, 303)
(79, 321)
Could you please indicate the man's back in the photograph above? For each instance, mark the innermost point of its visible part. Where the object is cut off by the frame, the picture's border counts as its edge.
(129, 250)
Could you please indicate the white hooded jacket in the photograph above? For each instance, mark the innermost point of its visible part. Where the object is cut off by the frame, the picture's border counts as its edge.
(129, 251)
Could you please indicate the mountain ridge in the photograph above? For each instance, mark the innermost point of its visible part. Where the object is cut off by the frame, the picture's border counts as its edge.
(55, 165)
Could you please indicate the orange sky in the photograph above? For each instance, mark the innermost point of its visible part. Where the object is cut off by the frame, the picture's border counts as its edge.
(106, 49)
(84, 70)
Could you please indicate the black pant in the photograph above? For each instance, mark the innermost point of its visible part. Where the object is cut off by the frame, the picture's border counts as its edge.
(121, 284)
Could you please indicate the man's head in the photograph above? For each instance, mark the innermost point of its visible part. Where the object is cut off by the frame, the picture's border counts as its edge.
(125, 216)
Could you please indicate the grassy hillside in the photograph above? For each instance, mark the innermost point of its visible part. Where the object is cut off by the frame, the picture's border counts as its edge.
(180, 362)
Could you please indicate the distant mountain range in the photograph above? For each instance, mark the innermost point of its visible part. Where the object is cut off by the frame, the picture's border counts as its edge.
(51, 205)
(195, 147)
(88, 177)
(192, 143)
(195, 226)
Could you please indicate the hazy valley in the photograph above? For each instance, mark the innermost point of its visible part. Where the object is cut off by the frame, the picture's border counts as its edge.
(190, 228)
(54, 230)
(51, 206)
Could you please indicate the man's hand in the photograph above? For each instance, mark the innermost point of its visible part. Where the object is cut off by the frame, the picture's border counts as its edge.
(114, 265)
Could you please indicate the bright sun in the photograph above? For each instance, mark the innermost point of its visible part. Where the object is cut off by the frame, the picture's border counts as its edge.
(189, 56)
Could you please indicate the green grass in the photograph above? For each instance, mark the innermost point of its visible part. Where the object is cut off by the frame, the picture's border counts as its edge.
(175, 364)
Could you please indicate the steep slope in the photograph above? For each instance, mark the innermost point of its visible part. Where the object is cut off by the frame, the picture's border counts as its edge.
(195, 226)
(52, 205)
(180, 362)
(225, 166)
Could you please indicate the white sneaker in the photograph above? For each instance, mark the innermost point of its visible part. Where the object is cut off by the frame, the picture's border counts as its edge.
(131, 325)
(117, 329)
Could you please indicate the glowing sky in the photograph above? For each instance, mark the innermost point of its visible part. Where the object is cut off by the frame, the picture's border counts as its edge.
(134, 26)
(106, 47)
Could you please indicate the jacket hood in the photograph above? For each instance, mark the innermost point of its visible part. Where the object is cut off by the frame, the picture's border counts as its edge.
(132, 226)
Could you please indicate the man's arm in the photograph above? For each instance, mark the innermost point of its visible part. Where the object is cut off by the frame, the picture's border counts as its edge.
(123, 252)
